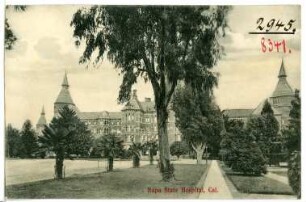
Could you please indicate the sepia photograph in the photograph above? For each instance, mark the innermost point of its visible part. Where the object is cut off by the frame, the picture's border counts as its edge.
(152, 101)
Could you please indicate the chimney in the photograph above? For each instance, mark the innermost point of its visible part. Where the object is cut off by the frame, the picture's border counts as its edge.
(147, 99)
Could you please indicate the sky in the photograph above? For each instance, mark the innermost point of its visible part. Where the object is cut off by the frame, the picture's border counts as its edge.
(45, 49)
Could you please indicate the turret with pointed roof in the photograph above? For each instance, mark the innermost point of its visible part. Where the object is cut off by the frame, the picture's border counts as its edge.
(282, 96)
(282, 88)
(64, 97)
(41, 122)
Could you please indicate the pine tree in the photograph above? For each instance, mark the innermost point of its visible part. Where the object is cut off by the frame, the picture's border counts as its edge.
(13, 142)
(29, 140)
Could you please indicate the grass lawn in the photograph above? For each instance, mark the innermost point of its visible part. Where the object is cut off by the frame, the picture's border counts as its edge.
(259, 185)
(282, 173)
(125, 183)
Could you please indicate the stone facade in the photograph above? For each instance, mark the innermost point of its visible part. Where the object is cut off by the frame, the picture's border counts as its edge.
(136, 121)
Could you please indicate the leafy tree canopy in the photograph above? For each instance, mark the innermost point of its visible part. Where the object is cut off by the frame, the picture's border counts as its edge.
(162, 44)
(10, 37)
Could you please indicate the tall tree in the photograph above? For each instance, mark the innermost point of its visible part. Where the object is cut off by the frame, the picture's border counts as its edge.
(64, 136)
(162, 44)
(292, 133)
(29, 140)
(265, 129)
(198, 118)
(239, 149)
(292, 136)
(13, 142)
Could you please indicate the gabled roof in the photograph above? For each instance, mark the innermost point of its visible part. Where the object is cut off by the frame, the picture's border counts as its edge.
(237, 113)
(258, 109)
(133, 104)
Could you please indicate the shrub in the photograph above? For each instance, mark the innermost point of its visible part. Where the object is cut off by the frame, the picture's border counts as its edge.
(178, 148)
(294, 172)
(250, 160)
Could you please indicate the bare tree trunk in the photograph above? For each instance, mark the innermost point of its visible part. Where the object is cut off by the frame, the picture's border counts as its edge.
(59, 162)
(110, 163)
(199, 149)
(165, 166)
(151, 156)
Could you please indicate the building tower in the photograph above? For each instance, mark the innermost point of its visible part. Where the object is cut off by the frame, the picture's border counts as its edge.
(64, 98)
(131, 118)
(282, 95)
(41, 122)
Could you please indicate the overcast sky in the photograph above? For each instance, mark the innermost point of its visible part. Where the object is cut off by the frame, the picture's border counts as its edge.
(45, 50)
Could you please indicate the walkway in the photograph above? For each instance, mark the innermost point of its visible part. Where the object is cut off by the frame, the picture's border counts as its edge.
(215, 186)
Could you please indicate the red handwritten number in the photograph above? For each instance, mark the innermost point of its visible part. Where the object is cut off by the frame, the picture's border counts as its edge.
(284, 46)
(270, 45)
(263, 46)
(277, 44)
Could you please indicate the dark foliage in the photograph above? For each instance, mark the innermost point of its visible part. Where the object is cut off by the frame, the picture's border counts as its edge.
(110, 146)
(294, 172)
(29, 140)
(161, 44)
(9, 36)
(179, 148)
(240, 151)
(292, 134)
(135, 150)
(265, 129)
(65, 135)
(13, 142)
(293, 143)
(198, 118)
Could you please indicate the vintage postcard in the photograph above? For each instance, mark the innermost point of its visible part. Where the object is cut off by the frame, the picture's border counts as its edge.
(152, 101)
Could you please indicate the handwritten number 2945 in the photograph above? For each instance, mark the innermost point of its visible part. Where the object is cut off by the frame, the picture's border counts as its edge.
(272, 24)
